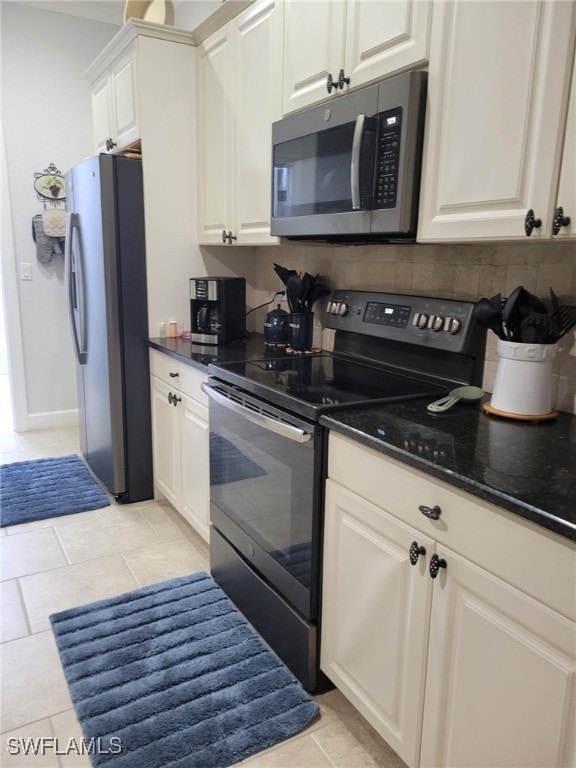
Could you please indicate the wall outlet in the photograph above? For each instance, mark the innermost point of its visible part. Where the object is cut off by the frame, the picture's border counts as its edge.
(25, 271)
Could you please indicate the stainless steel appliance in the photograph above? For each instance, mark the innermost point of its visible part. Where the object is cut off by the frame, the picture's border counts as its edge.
(105, 273)
(268, 449)
(349, 170)
(217, 309)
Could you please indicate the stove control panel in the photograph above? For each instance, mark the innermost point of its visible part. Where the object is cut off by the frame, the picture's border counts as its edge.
(426, 321)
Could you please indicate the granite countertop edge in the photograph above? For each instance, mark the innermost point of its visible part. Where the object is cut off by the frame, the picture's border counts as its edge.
(161, 346)
(500, 499)
(201, 357)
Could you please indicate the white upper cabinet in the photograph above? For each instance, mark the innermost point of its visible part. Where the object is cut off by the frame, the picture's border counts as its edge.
(498, 85)
(114, 106)
(314, 34)
(143, 89)
(258, 103)
(215, 94)
(384, 38)
(353, 42)
(239, 96)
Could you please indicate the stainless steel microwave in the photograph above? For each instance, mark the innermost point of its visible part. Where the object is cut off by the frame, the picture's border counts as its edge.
(349, 170)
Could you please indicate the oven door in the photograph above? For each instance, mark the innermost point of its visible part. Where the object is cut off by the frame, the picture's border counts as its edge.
(265, 490)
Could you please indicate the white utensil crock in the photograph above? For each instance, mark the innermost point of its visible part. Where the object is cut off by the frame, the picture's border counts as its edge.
(523, 382)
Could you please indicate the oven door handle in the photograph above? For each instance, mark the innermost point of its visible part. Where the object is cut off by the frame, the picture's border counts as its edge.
(279, 427)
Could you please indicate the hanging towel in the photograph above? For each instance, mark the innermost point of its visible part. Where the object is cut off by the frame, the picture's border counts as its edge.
(46, 246)
(54, 222)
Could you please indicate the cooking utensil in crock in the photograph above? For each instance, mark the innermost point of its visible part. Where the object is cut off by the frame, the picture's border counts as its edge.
(517, 307)
(294, 290)
(564, 319)
(467, 393)
(509, 313)
(536, 328)
(488, 315)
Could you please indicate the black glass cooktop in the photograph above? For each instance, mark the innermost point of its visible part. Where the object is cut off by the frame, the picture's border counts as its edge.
(312, 384)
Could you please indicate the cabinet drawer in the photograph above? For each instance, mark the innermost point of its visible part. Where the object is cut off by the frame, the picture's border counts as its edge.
(533, 559)
(178, 375)
(163, 366)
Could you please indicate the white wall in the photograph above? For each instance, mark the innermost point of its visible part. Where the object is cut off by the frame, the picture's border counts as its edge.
(46, 114)
(189, 13)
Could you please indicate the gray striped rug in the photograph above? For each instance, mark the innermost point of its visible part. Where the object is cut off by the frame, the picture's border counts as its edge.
(42, 488)
(173, 676)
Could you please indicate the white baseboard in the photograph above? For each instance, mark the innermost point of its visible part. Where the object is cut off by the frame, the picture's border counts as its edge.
(50, 420)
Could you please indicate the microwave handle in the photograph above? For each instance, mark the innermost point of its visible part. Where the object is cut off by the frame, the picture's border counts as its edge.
(355, 162)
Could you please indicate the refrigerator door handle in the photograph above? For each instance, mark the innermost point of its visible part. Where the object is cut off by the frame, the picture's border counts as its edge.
(74, 288)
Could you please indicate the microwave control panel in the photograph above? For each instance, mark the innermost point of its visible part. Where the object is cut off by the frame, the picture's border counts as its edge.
(388, 158)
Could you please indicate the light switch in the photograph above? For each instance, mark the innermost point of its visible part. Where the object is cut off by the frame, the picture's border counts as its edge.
(25, 271)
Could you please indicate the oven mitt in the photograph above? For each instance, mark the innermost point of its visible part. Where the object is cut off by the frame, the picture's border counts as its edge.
(46, 246)
(54, 222)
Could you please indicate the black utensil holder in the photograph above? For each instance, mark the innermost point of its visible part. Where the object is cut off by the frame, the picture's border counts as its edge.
(301, 331)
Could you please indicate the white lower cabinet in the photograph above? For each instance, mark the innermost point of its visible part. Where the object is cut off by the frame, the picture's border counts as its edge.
(180, 439)
(375, 615)
(464, 669)
(501, 672)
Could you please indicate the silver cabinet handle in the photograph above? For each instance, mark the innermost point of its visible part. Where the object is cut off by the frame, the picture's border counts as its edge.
(278, 427)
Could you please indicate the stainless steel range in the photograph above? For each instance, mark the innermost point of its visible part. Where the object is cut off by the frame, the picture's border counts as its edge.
(268, 449)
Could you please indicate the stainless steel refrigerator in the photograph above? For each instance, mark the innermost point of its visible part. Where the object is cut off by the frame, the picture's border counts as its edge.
(105, 276)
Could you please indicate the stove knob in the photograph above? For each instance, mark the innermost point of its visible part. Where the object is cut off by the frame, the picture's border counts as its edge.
(437, 322)
(452, 325)
(420, 320)
(342, 309)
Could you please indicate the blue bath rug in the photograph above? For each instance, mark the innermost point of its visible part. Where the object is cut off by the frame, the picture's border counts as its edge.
(42, 488)
(173, 676)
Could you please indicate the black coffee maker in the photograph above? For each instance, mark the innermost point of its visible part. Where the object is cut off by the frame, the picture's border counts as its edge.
(217, 309)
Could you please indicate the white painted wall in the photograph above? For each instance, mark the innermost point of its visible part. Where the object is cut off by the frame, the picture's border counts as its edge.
(189, 13)
(46, 115)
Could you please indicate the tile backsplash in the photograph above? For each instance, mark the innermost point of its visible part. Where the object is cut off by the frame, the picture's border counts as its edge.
(463, 271)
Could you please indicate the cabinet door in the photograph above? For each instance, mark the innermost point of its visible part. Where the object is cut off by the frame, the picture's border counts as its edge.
(497, 91)
(375, 612)
(194, 464)
(215, 96)
(384, 38)
(314, 32)
(566, 198)
(165, 441)
(101, 113)
(258, 103)
(124, 113)
(500, 689)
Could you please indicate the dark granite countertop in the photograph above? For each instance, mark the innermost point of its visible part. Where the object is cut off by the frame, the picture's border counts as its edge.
(528, 468)
(525, 467)
(201, 355)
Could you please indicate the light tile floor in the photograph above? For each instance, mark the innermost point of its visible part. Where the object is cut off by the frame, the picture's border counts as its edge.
(62, 562)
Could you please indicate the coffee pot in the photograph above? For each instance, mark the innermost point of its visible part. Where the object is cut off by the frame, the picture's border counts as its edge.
(276, 326)
(217, 309)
